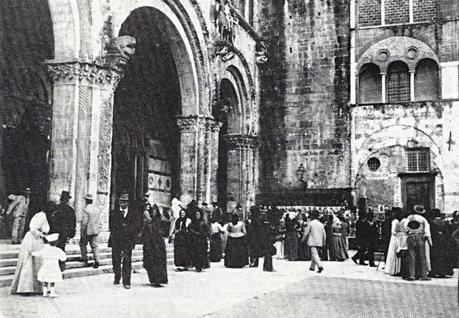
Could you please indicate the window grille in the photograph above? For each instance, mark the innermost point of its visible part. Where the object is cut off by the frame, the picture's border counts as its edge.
(418, 159)
(398, 83)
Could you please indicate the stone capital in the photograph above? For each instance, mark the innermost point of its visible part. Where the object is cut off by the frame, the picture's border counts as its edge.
(86, 73)
(241, 141)
(196, 123)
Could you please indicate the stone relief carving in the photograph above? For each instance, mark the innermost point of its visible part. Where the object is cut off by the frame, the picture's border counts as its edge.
(241, 141)
(261, 53)
(105, 146)
(198, 123)
(120, 50)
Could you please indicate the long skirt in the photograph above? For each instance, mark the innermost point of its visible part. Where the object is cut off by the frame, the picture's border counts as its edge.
(216, 247)
(439, 257)
(236, 255)
(199, 257)
(303, 251)
(279, 245)
(26, 275)
(291, 246)
(393, 262)
(338, 250)
(182, 253)
(155, 260)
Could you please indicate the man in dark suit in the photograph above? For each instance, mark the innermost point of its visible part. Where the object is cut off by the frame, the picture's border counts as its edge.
(361, 234)
(125, 224)
(63, 221)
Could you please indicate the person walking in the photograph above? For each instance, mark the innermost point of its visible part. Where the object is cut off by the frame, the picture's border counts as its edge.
(63, 222)
(361, 235)
(19, 208)
(182, 246)
(418, 232)
(154, 247)
(90, 229)
(315, 236)
(125, 224)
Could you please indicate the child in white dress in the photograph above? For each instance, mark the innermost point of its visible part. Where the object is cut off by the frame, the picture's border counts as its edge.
(50, 272)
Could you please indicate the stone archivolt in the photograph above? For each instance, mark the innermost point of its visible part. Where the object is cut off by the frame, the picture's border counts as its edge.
(241, 141)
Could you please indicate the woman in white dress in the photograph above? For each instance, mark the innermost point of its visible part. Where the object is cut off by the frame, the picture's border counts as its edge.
(393, 262)
(25, 279)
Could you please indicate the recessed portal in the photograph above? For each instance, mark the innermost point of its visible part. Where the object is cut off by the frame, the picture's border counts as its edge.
(147, 101)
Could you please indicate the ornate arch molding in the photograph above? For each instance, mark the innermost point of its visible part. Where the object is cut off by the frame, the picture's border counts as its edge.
(66, 28)
(198, 49)
(397, 48)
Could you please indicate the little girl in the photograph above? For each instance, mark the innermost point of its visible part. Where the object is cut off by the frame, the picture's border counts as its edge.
(50, 272)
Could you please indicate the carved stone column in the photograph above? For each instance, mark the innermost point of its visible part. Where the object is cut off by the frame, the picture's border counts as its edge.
(241, 168)
(212, 129)
(82, 104)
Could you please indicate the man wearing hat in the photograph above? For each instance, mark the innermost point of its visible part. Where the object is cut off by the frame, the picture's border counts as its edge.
(418, 230)
(90, 229)
(125, 224)
(63, 221)
(19, 207)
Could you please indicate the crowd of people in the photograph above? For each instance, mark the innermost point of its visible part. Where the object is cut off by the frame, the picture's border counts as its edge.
(416, 244)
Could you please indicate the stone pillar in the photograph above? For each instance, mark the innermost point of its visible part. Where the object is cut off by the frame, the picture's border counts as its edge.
(412, 79)
(383, 87)
(212, 129)
(241, 168)
(81, 134)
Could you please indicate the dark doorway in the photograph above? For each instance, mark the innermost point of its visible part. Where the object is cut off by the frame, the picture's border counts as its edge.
(147, 101)
(418, 189)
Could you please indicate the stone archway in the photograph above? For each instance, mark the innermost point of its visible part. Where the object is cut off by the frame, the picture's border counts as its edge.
(237, 141)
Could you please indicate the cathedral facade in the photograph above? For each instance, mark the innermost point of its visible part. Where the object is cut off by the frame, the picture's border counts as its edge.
(287, 102)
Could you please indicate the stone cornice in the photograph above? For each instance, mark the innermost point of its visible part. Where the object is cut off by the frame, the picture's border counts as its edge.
(89, 73)
(241, 141)
(196, 123)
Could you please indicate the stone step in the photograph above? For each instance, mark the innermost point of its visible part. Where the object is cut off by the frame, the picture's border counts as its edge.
(76, 257)
(6, 280)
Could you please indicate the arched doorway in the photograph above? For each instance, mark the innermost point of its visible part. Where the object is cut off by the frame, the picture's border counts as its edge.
(25, 98)
(146, 139)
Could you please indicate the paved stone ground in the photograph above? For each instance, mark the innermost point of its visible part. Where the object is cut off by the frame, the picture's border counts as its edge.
(342, 290)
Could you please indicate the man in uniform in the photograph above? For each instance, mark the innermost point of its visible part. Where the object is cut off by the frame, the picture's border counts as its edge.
(125, 223)
(19, 207)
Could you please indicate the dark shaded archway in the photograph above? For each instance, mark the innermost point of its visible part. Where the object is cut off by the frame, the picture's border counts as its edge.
(147, 101)
(26, 40)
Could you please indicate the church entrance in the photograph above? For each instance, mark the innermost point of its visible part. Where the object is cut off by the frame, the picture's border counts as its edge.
(148, 99)
(25, 99)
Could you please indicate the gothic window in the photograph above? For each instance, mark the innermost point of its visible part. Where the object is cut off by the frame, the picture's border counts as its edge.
(418, 159)
(398, 82)
(426, 80)
(369, 84)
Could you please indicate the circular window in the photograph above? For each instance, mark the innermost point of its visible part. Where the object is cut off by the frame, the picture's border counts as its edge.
(373, 164)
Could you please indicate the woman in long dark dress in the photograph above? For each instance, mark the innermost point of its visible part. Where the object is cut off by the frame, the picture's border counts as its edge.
(182, 246)
(199, 232)
(291, 239)
(236, 255)
(254, 236)
(154, 247)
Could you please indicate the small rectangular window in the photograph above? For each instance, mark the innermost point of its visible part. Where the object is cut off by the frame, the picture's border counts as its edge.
(418, 159)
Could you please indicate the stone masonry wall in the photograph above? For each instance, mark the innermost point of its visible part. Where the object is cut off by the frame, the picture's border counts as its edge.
(304, 93)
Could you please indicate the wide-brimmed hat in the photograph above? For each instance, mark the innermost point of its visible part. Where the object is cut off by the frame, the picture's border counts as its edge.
(52, 237)
(124, 197)
(89, 197)
(419, 209)
(65, 195)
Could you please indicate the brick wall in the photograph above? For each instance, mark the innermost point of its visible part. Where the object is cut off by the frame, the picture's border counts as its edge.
(397, 11)
(304, 92)
(425, 10)
(369, 12)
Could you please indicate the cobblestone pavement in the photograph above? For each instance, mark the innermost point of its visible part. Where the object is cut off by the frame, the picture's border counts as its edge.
(342, 290)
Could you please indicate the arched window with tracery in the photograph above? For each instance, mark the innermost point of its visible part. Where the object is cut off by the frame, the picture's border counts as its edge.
(426, 80)
(369, 84)
(398, 82)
